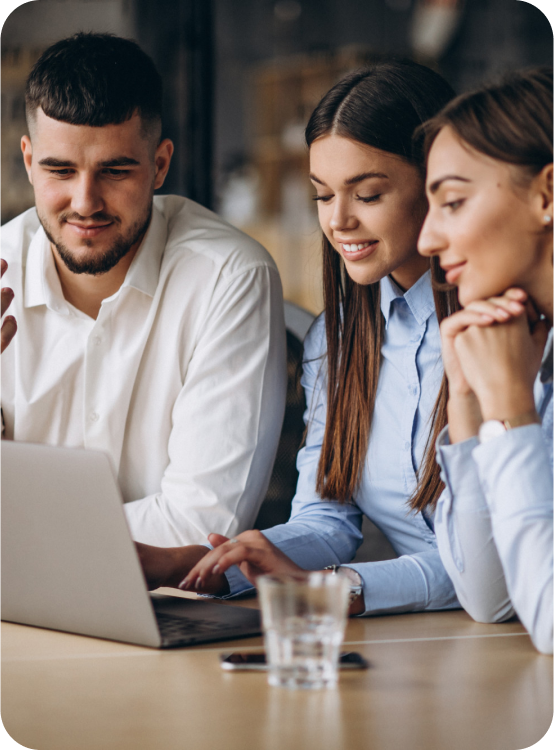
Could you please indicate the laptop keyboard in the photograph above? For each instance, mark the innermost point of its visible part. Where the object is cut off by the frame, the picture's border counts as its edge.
(175, 628)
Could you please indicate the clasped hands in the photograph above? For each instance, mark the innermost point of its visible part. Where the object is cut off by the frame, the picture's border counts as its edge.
(492, 351)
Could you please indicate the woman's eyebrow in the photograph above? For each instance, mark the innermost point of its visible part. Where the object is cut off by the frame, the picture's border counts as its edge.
(366, 176)
(434, 186)
(356, 178)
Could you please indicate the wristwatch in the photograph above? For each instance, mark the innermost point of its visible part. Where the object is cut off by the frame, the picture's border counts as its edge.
(494, 427)
(356, 586)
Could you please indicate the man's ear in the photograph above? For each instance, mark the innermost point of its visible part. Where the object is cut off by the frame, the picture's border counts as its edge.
(27, 150)
(162, 159)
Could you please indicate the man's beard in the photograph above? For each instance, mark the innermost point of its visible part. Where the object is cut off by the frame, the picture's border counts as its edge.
(95, 265)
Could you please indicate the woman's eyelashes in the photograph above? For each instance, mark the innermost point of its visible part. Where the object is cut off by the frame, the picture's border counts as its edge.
(453, 205)
(362, 198)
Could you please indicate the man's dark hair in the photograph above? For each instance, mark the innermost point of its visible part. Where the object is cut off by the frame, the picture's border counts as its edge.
(96, 80)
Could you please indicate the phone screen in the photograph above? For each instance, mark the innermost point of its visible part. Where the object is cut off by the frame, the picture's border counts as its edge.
(237, 661)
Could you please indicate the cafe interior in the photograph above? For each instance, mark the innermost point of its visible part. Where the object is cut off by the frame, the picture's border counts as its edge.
(241, 78)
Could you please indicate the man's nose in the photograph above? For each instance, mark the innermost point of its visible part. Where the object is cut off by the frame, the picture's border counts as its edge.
(86, 198)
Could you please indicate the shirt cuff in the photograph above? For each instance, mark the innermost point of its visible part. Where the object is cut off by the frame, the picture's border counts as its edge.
(459, 472)
(391, 586)
(514, 468)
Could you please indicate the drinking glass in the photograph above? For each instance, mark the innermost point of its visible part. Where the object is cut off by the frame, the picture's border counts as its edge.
(303, 620)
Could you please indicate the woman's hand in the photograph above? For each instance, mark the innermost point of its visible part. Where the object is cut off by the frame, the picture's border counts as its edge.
(9, 326)
(464, 414)
(500, 364)
(251, 551)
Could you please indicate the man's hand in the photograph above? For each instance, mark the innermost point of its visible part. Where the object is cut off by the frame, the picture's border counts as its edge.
(167, 566)
(251, 551)
(9, 326)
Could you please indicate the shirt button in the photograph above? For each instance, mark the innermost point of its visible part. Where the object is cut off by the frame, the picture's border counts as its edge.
(97, 340)
(94, 416)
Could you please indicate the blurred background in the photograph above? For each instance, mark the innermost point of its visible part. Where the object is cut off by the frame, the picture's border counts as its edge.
(241, 79)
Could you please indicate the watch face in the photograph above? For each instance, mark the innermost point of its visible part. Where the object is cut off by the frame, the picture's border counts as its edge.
(491, 429)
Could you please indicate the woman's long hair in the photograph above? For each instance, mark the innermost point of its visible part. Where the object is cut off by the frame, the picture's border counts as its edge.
(380, 106)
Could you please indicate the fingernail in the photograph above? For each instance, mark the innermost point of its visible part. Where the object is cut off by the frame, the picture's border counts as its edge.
(183, 585)
(504, 314)
(216, 569)
(198, 584)
(515, 306)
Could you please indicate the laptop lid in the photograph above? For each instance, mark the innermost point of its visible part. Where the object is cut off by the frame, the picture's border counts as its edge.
(68, 561)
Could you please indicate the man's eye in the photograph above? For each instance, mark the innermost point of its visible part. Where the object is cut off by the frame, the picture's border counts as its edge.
(116, 172)
(60, 172)
(323, 198)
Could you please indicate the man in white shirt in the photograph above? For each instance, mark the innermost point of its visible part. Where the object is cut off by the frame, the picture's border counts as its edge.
(148, 327)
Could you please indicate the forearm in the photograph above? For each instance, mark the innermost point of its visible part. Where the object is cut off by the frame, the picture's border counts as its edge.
(411, 583)
(464, 416)
(464, 535)
(515, 471)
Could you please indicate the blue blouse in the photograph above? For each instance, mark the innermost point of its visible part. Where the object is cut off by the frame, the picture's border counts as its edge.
(321, 533)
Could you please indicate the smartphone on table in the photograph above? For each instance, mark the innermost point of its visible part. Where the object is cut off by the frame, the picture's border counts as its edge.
(238, 662)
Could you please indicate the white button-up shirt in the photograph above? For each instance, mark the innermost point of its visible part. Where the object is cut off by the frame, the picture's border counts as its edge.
(181, 379)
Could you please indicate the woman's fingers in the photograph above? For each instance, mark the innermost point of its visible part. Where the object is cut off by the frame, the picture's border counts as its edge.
(462, 319)
(516, 294)
(500, 309)
(221, 558)
(217, 539)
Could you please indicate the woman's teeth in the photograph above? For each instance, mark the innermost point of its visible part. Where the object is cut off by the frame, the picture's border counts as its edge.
(352, 248)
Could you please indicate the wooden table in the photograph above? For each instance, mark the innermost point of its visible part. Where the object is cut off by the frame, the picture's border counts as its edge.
(436, 681)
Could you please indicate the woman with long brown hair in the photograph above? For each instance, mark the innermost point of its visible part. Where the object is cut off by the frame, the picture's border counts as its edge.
(490, 186)
(372, 364)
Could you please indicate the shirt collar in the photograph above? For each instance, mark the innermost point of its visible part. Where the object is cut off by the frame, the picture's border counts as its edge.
(42, 283)
(419, 297)
(144, 271)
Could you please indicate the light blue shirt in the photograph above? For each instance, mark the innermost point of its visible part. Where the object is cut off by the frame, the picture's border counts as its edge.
(321, 533)
(494, 520)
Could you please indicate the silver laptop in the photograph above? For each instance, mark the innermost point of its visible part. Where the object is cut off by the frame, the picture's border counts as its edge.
(68, 561)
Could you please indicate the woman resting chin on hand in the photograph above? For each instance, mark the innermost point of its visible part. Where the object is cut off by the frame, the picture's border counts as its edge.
(490, 225)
